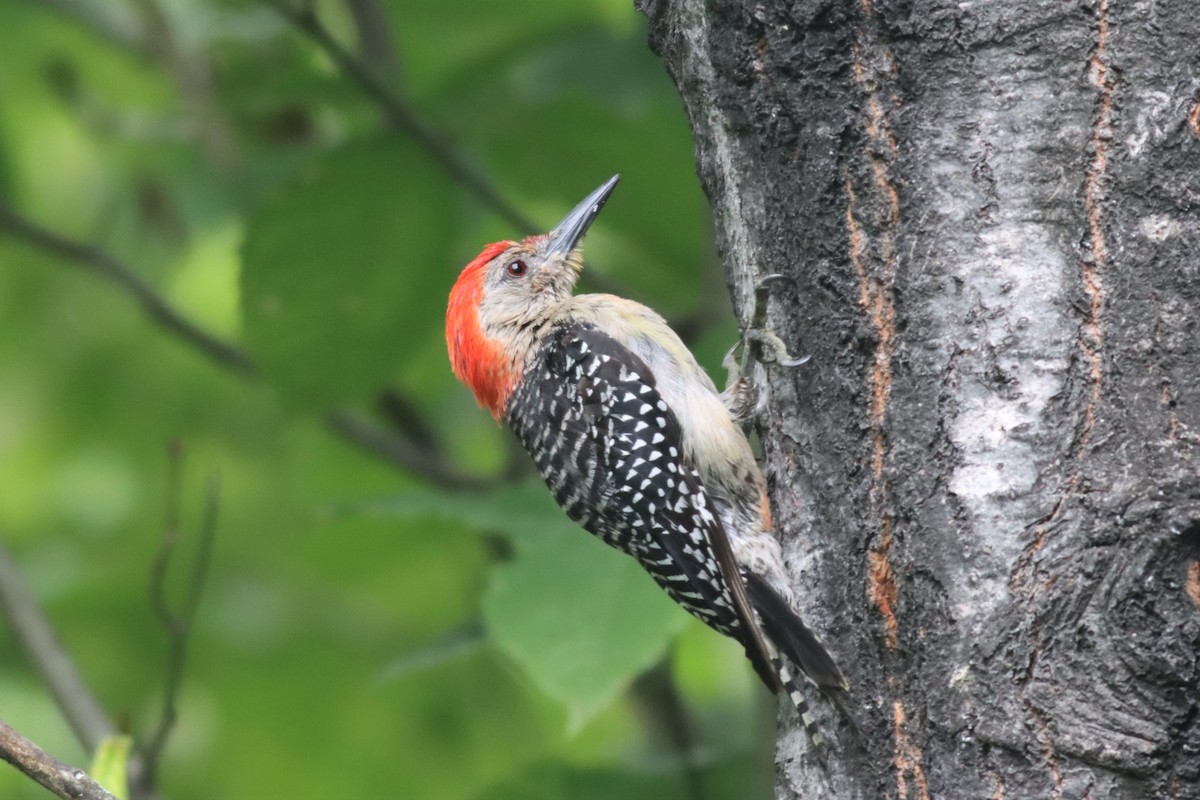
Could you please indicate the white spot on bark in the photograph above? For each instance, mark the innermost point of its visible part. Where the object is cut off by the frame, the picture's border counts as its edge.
(1159, 227)
(1156, 111)
(1014, 342)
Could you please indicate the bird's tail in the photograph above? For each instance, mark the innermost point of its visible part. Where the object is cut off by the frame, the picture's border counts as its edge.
(799, 701)
(789, 633)
(798, 646)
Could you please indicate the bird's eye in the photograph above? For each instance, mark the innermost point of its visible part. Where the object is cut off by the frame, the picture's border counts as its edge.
(515, 268)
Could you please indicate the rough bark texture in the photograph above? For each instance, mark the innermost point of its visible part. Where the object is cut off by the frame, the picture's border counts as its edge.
(987, 476)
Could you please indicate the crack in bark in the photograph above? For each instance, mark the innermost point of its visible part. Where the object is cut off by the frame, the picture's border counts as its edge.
(881, 583)
(997, 779)
(1047, 742)
(1092, 266)
(1092, 340)
(1035, 714)
(876, 296)
(907, 757)
(1167, 398)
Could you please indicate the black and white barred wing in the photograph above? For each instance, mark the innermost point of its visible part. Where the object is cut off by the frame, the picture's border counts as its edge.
(610, 449)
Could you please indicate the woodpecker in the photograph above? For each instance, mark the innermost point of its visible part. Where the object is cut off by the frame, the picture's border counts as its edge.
(634, 441)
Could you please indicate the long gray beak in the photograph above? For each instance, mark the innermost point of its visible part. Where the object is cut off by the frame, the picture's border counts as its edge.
(567, 234)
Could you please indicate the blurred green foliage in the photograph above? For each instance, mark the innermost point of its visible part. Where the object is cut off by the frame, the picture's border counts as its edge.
(362, 632)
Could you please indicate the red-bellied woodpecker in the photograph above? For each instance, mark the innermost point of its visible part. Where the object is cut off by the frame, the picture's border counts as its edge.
(633, 439)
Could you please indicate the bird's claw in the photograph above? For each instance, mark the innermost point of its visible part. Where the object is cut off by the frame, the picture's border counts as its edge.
(768, 348)
(757, 345)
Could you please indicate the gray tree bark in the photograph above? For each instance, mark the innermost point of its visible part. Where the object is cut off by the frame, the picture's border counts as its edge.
(987, 476)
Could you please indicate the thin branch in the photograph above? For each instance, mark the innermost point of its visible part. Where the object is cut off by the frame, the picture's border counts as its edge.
(157, 307)
(356, 429)
(659, 696)
(402, 414)
(78, 705)
(69, 783)
(178, 624)
(376, 46)
(401, 116)
(451, 646)
(170, 538)
(57, 671)
(429, 465)
(204, 549)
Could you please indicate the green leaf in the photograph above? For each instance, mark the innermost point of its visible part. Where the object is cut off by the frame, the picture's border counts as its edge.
(581, 619)
(347, 271)
(109, 765)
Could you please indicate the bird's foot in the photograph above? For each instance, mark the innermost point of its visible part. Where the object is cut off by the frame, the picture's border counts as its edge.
(758, 345)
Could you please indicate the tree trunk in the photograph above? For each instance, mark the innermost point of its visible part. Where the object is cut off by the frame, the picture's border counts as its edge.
(986, 478)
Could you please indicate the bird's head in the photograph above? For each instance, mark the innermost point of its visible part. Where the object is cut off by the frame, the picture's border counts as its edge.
(505, 292)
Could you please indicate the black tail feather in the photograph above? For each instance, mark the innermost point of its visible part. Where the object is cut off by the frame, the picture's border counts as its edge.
(789, 633)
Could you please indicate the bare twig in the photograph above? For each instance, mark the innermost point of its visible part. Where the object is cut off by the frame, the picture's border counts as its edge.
(70, 783)
(659, 696)
(376, 46)
(402, 414)
(36, 637)
(430, 465)
(78, 705)
(170, 538)
(127, 279)
(433, 466)
(178, 624)
(401, 116)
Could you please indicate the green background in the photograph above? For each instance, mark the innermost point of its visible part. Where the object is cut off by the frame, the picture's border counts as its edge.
(365, 630)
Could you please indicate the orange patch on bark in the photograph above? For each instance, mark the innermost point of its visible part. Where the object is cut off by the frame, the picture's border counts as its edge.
(1192, 587)
(907, 757)
(881, 585)
(876, 297)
